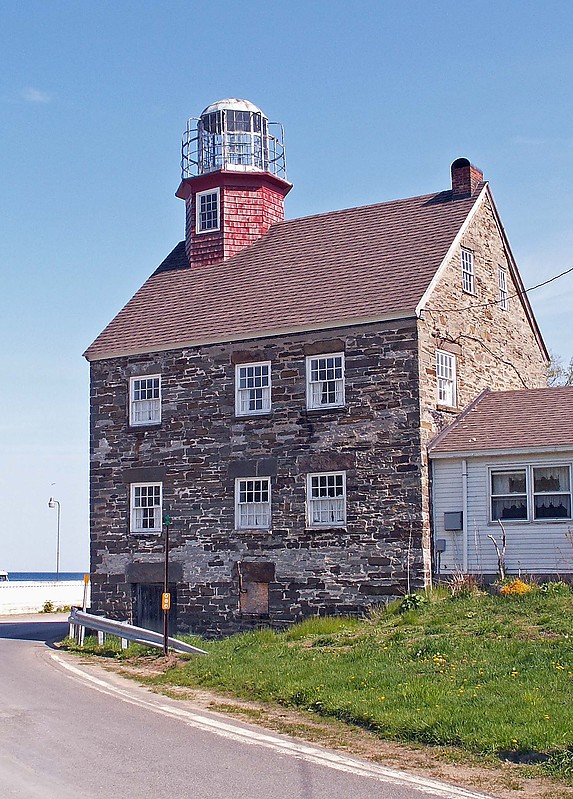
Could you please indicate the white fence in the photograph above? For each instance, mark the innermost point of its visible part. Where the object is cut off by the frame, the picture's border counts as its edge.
(29, 597)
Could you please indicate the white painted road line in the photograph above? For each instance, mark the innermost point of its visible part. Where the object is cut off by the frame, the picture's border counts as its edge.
(301, 751)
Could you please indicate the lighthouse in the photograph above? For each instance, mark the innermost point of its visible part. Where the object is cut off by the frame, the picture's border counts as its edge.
(233, 180)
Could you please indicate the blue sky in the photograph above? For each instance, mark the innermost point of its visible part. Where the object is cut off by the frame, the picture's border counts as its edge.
(377, 99)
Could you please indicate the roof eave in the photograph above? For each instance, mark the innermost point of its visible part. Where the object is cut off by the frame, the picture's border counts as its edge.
(90, 355)
(502, 451)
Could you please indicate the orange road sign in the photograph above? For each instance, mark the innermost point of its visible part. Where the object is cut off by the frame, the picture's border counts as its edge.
(165, 601)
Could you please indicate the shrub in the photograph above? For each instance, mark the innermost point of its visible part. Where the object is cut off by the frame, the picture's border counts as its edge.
(412, 602)
(48, 606)
(515, 588)
(463, 585)
(555, 588)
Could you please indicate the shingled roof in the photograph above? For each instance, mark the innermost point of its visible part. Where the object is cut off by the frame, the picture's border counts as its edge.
(329, 270)
(537, 418)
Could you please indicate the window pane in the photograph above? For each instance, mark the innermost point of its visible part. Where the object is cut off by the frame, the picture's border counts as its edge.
(556, 506)
(514, 508)
(551, 478)
(508, 482)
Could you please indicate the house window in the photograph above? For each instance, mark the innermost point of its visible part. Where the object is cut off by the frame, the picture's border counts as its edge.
(145, 400)
(552, 492)
(509, 494)
(446, 378)
(503, 296)
(253, 503)
(253, 388)
(207, 211)
(326, 499)
(325, 381)
(531, 492)
(468, 271)
(146, 507)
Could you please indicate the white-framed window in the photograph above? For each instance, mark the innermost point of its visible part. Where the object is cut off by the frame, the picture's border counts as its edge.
(468, 271)
(326, 499)
(446, 378)
(551, 492)
(530, 492)
(207, 211)
(325, 381)
(502, 283)
(252, 388)
(253, 503)
(145, 400)
(145, 506)
(508, 494)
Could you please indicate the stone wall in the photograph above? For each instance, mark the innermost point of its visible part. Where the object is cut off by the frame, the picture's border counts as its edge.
(494, 348)
(201, 446)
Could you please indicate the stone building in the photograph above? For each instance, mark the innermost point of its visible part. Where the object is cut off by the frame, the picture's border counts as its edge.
(274, 384)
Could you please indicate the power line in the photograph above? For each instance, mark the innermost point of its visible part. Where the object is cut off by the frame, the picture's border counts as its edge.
(497, 302)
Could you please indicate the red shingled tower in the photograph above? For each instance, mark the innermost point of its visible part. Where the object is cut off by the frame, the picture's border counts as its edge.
(233, 180)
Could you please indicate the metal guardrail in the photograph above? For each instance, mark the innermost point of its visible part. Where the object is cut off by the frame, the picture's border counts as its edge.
(127, 632)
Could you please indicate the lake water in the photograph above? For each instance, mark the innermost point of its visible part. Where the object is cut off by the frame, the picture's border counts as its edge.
(30, 577)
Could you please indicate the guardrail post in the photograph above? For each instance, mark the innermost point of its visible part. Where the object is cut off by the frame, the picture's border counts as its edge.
(124, 643)
(100, 637)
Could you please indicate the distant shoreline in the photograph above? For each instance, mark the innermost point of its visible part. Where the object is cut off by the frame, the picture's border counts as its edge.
(42, 577)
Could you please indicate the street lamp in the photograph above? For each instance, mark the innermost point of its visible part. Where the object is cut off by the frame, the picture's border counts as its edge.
(52, 504)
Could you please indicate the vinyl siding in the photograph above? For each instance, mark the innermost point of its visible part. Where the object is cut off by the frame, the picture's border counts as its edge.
(535, 547)
(447, 495)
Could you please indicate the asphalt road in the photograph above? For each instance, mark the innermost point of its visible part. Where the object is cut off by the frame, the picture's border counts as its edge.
(72, 731)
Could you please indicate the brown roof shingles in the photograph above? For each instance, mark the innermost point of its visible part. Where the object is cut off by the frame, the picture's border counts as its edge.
(325, 270)
(504, 420)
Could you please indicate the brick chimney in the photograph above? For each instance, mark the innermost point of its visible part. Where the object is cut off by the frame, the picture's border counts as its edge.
(465, 178)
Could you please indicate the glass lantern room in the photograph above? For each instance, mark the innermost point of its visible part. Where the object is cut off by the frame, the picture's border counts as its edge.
(233, 135)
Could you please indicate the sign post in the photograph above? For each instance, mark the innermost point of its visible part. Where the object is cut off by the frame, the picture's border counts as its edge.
(166, 596)
(85, 599)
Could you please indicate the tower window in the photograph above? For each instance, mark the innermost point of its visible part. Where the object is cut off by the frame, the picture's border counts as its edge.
(468, 271)
(207, 210)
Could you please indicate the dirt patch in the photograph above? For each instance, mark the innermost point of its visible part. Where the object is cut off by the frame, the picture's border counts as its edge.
(504, 780)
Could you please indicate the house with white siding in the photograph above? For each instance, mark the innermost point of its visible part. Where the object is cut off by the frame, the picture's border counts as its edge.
(505, 464)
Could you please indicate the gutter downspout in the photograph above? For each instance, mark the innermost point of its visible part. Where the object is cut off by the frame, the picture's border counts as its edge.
(465, 516)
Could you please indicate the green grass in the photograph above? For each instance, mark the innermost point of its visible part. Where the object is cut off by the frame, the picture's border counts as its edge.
(488, 674)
